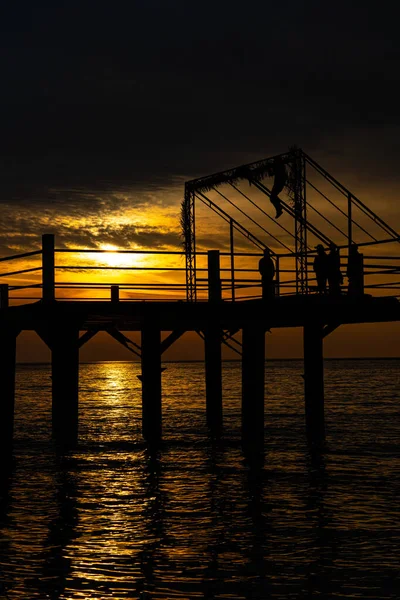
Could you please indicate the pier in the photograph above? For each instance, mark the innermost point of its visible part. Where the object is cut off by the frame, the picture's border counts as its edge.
(219, 300)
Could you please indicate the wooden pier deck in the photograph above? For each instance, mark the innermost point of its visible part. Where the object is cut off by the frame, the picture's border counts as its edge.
(213, 305)
(287, 311)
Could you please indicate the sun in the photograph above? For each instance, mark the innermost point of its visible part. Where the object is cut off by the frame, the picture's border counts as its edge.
(116, 259)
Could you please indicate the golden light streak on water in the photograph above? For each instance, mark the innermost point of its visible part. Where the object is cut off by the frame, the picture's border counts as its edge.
(111, 521)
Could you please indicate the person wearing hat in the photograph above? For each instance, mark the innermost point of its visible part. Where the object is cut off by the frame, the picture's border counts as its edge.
(266, 268)
(320, 267)
(355, 272)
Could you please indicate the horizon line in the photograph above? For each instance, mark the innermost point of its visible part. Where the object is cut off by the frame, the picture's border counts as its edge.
(238, 360)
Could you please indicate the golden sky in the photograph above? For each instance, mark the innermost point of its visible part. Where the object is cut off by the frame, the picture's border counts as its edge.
(100, 128)
(148, 220)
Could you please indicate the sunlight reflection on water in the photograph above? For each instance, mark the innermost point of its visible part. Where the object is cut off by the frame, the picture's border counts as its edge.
(109, 520)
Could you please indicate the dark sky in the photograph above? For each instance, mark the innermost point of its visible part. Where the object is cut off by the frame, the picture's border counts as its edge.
(107, 107)
(100, 97)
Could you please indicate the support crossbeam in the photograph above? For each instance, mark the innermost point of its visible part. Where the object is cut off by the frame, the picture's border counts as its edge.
(123, 340)
(88, 335)
(171, 339)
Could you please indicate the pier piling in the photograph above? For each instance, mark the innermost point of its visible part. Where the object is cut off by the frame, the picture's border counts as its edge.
(314, 382)
(213, 366)
(8, 337)
(253, 369)
(65, 383)
(151, 384)
(212, 350)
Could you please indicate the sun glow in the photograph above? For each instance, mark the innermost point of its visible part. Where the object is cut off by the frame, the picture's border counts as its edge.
(116, 259)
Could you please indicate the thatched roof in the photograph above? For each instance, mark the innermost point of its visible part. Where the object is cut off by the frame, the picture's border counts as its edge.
(253, 171)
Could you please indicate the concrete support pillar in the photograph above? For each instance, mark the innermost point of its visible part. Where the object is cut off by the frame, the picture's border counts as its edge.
(151, 384)
(253, 369)
(314, 382)
(8, 338)
(65, 383)
(213, 366)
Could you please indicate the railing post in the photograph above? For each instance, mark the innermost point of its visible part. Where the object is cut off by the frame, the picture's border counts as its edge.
(214, 279)
(277, 278)
(4, 295)
(232, 260)
(361, 290)
(349, 221)
(115, 293)
(48, 276)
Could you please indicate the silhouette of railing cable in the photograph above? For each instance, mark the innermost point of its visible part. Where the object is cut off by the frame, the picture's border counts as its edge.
(384, 285)
(326, 219)
(339, 209)
(203, 198)
(25, 287)
(374, 243)
(135, 251)
(107, 268)
(263, 211)
(24, 255)
(252, 220)
(20, 272)
(310, 227)
(363, 207)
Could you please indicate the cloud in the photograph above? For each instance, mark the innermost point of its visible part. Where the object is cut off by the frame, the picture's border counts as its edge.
(90, 220)
(97, 122)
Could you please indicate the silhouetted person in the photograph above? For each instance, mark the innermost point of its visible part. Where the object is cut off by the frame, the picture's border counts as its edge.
(267, 270)
(335, 277)
(355, 272)
(321, 269)
(279, 184)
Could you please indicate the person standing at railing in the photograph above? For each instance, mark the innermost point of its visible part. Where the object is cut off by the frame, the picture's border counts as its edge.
(355, 272)
(280, 177)
(320, 267)
(266, 268)
(335, 277)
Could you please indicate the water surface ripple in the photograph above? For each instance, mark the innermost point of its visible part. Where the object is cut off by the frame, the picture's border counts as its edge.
(194, 520)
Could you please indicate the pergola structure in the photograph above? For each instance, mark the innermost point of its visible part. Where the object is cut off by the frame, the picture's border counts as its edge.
(305, 178)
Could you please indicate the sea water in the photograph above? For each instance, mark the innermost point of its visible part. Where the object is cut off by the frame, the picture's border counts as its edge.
(195, 520)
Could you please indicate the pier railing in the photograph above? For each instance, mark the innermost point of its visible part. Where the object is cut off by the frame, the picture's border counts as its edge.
(51, 273)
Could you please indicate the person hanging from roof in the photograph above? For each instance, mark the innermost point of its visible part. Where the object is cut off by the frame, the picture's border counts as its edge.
(280, 177)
